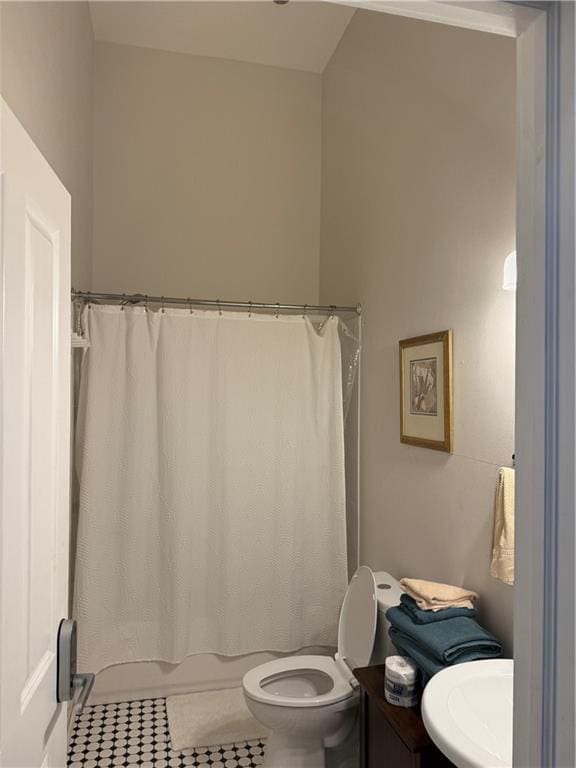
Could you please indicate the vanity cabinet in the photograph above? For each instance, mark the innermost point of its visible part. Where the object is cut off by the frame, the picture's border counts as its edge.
(392, 737)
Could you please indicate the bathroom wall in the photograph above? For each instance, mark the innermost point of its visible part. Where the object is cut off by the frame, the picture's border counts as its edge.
(206, 177)
(46, 78)
(417, 217)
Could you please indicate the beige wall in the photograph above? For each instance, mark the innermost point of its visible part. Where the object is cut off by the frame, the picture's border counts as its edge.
(206, 177)
(46, 78)
(417, 218)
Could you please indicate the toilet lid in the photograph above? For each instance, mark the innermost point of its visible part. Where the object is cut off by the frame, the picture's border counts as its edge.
(358, 617)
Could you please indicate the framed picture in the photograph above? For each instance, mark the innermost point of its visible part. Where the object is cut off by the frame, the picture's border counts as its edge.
(426, 391)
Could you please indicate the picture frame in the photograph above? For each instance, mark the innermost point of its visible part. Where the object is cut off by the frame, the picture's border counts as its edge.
(426, 392)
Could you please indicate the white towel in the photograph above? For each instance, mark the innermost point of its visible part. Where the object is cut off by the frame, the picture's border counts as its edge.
(502, 566)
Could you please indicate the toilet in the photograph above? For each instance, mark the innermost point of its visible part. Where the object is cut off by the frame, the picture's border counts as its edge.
(310, 703)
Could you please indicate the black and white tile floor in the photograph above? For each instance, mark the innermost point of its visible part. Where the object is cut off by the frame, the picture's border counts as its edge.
(135, 735)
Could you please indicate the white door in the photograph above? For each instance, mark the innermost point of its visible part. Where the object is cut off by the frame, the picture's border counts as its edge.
(34, 448)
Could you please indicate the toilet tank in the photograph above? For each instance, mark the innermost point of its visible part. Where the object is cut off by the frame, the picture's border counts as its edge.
(388, 592)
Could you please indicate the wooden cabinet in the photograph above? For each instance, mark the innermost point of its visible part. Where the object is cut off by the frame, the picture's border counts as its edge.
(392, 737)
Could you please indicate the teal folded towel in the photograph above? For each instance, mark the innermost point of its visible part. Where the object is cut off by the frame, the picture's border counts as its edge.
(451, 641)
(410, 607)
(426, 664)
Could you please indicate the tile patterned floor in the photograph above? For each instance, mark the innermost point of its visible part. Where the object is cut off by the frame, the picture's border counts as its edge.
(135, 735)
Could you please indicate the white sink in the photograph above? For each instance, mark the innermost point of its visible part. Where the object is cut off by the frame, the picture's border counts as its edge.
(467, 710)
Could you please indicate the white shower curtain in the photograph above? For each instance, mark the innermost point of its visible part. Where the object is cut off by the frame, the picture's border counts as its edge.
(212, 501)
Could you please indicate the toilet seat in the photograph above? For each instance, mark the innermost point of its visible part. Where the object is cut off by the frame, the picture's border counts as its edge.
(265, 682)
(318, 681)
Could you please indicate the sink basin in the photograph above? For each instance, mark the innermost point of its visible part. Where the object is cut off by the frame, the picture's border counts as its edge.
(467, 710)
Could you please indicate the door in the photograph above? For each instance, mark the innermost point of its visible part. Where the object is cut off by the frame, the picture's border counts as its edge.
(34, 448)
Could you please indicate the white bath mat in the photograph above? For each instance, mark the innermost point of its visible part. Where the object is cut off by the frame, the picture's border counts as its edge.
(211, 717)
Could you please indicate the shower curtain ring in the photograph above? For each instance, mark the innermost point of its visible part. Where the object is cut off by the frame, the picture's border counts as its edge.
(123, 302)
(146, 302)
(332, 310)
(162, 299)
(305, 311)
(277, 309)
(219, 307)
(190, 305)
(250, 310)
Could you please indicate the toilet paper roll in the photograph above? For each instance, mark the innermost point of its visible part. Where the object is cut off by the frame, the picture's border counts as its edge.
(401, 669)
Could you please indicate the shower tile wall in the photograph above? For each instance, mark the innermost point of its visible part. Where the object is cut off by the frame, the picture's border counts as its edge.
(135, 734)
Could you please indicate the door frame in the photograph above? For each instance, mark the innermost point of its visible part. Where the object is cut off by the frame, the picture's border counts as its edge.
(545, 595)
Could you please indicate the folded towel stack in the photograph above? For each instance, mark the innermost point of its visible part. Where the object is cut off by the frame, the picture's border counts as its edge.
(432, 596)
(438, 637)
(410, 608)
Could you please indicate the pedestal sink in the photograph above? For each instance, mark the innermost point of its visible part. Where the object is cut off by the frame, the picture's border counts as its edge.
(467, 710)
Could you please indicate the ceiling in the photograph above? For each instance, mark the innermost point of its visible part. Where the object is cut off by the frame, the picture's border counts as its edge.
(299, 35)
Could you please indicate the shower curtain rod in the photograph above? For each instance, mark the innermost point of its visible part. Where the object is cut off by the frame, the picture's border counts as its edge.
(139, 298)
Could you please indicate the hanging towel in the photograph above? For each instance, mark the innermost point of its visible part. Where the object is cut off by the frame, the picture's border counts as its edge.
(432, 596)
(502, 566)
(410, 608)
(439, 644)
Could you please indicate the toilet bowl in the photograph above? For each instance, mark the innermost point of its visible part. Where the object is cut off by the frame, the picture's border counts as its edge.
(307, 702)
(310, 703)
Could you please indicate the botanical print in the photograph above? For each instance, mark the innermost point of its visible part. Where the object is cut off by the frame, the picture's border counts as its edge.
(426, 390)
(423, 387)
